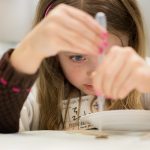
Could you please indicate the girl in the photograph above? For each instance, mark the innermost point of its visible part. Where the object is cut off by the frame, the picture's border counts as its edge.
(73, 38)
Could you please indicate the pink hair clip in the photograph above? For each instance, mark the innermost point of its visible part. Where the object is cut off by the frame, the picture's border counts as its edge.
(49, 7)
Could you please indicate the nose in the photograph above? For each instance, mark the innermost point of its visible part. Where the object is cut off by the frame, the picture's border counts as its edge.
(92, 67)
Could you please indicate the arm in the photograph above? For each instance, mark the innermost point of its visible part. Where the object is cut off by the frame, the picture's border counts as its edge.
(14, 89)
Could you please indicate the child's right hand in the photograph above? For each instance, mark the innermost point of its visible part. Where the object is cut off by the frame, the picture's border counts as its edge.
(64, 29)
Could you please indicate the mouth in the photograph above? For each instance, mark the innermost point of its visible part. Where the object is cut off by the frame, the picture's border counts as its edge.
(89, 88)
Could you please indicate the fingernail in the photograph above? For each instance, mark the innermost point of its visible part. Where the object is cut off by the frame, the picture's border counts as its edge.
(104, 35)
(101, 49)
(105, 44)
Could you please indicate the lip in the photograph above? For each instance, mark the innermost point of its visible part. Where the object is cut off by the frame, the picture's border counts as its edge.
(89, 87)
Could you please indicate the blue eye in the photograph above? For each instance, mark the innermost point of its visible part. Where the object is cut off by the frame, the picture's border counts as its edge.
(77, 58)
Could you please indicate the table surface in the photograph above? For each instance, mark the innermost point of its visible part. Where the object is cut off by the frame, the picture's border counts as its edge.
(62, 140)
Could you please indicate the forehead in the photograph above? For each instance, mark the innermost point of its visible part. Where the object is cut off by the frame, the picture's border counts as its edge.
(118, 39)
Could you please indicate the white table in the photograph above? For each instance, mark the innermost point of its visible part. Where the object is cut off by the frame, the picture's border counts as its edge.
(61, 140)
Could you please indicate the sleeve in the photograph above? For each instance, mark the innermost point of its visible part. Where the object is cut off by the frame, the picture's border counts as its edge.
(146, 101)
(29, 118)
(14, 89)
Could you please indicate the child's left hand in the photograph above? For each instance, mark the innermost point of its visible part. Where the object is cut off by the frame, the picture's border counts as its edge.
(122, 71)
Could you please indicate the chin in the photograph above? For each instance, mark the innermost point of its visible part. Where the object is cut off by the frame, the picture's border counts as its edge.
(89, 92)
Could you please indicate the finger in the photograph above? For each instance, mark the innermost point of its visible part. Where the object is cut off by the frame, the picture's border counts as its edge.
(127, 87)
(120, 79)
(129, 67)
(76, 42)
(85, 18)
(113, 68)
(78, 27)
(142, 78)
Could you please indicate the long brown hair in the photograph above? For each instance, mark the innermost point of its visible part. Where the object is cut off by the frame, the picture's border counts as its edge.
(123, 16)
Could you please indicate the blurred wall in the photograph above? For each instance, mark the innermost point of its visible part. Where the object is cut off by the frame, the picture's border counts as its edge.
(15, 18)
(145, 7)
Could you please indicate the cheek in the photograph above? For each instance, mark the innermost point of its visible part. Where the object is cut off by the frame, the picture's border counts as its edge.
(72, 73)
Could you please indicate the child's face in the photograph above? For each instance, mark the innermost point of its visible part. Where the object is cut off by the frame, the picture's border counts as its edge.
(78, 68)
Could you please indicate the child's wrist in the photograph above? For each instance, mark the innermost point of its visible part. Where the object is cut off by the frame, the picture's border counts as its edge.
(25, 60)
